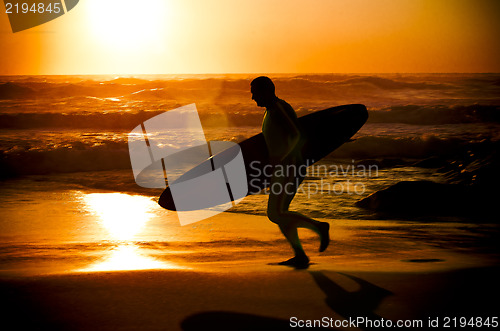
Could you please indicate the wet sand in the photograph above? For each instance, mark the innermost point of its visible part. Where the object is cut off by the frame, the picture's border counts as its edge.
(373, 270)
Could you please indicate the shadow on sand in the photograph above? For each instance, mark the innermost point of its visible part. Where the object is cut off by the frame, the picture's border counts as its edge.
(362, 302)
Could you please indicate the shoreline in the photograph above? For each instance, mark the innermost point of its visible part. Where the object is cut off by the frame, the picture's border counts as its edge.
(249, 242)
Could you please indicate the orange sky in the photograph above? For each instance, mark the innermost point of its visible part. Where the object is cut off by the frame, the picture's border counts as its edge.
(260, 36)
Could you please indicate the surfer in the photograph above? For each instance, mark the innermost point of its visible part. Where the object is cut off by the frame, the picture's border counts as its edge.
(284, 140)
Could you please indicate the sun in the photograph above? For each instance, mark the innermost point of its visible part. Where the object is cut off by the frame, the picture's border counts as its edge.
(128, 25)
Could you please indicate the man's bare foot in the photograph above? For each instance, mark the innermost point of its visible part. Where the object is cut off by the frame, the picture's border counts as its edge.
(324, 229)
(298, 262)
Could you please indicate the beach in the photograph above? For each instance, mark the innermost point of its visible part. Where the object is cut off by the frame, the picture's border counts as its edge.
(221, 273)
(235, 300)
(415, 280)
(83, 246)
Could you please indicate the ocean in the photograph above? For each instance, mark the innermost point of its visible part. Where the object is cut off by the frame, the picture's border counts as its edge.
(66, 171)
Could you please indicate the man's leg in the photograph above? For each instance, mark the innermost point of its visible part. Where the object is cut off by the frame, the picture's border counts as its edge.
(282, 191)
(278, 199)
(321, 228)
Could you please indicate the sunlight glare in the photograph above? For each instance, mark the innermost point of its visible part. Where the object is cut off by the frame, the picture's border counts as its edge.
(127, 257)
(126, 25)
(124, 216)
(121, 214)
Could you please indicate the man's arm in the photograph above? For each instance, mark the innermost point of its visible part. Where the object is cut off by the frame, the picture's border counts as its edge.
(292, 128)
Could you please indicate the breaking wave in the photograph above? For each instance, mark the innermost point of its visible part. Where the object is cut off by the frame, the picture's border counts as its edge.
(114, 155)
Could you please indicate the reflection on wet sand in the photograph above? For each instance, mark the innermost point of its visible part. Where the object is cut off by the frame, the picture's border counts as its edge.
(123, 216)
(127, 257)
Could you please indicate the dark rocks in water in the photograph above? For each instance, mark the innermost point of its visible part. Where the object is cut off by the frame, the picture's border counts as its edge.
(473, 179)
(470, 161)
(477, 167)
(415, 198)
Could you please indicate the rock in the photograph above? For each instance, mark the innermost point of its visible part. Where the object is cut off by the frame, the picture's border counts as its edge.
(424, 198)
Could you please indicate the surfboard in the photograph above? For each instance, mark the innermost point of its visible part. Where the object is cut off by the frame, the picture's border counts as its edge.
(325, 130)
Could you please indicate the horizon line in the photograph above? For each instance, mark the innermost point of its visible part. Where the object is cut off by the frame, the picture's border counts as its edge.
(261, 73)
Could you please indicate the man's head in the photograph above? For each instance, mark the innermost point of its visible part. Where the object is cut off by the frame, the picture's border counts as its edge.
(263, 91)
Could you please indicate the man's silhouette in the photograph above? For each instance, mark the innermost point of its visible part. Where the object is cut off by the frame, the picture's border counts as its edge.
(284, 140)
